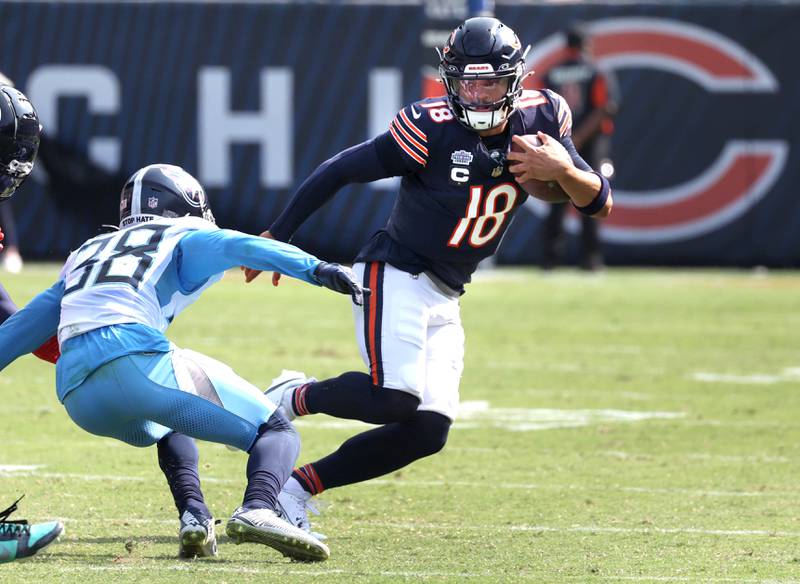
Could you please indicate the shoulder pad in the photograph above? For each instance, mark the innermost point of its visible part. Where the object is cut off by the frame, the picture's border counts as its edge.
(561, 112)
(531, 98)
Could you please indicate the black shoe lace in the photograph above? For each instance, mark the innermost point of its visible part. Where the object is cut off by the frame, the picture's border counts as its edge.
(15, 527)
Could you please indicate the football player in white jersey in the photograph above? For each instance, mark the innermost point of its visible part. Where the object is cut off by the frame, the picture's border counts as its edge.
(119, 376)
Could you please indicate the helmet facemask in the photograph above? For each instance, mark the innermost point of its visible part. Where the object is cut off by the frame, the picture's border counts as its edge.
(482, 101)
(482, 66)
(12, 175)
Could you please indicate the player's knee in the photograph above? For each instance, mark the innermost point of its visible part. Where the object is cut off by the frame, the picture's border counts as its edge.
(394, 405)
(280, 434)
(431, 430)
(278, 422)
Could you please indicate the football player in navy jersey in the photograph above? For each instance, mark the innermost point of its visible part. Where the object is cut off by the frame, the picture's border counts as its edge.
(458, 193)
(19, 144)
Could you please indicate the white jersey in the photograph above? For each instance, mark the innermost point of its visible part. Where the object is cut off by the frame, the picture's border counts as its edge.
(112, 278)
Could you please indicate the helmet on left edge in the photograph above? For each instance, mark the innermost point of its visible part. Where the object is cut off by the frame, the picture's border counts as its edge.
(19, 139)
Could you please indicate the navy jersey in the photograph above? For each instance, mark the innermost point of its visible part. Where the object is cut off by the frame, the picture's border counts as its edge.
(458, 197)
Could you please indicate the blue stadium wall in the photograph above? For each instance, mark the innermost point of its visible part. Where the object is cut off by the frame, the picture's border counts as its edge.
(252, 97)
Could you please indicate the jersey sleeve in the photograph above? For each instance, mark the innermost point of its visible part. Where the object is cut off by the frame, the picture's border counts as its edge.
(207, 252)
(28, 328)
(409, 133)
(358, 164)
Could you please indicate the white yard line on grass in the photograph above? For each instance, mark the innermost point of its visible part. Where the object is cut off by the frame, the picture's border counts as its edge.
(481, 414)
(789, 374)
(536, 487)
(6, 472)
(738, 459)
(18, 468)
(286, 569)
(587, 529)
(421, 526)
(445, 484)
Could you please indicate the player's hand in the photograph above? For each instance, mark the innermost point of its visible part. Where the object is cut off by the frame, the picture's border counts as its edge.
(2, 236)
(550, 161)
(342, 280)
(250, 274)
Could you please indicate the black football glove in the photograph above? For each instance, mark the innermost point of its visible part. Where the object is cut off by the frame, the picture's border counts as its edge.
(342, 280)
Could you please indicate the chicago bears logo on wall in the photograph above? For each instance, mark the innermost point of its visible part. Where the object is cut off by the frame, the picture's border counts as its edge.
(743, 172)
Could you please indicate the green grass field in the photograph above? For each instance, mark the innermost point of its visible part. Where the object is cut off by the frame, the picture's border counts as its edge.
(640, 426)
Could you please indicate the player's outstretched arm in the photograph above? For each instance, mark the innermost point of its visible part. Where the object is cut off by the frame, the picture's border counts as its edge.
(208, 252)
(358, 164)
(211, 251)
(250, 274)
(26, 329)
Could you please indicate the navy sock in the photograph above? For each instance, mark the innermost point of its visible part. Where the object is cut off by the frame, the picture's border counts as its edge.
(7, 307)
(353, 396)
(271, 458)
(178, 458)
(376, 452)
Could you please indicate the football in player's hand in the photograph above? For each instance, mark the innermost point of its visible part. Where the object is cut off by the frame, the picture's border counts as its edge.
(547, 191)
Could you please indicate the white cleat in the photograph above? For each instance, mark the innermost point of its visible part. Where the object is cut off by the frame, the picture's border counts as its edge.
(281, 390)
(294, 506)
(265, 527)
(197, 537)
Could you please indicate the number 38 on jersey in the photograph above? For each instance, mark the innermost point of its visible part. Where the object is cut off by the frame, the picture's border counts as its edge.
(123, 257)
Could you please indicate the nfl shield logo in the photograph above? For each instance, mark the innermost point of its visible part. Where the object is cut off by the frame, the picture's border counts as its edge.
(152, 202)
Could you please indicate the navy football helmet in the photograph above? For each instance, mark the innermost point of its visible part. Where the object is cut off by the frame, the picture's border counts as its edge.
(162, 190)
(482, 67)
(19, 139)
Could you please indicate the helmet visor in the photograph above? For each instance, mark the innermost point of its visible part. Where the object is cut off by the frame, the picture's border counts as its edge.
(481, 94)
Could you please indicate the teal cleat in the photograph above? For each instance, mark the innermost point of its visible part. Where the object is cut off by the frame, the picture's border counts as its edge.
(20, 539)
